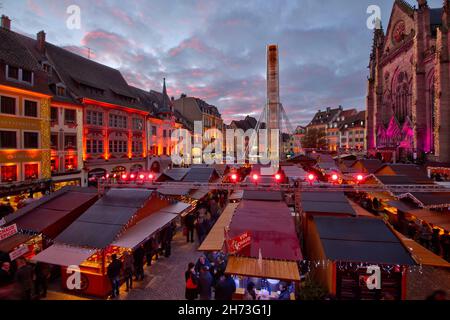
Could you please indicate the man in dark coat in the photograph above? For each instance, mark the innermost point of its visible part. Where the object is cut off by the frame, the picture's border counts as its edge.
(205, 284)
(42, 271)
(225, 288)
(190, 226)
(138, 257)
(114, 269)
(24, 279)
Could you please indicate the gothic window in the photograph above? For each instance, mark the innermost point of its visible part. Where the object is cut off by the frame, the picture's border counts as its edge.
(402, 97)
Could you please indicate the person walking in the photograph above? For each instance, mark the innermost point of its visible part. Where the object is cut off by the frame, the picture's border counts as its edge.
(138, 257)
(128, 268)
(190, 226)
(205, 284)
(42, 274)
(113, 272)
(284, 292)
(191, 281)
(24, 279)
(445, 244)
(202, 262)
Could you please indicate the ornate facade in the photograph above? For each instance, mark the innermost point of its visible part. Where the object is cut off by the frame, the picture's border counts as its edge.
(408, 99)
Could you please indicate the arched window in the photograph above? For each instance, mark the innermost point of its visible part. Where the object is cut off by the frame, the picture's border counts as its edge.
(402, 99)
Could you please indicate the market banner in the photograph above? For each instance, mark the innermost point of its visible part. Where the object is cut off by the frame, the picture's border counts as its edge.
(8, 231)
(238, 243)
(23, 249)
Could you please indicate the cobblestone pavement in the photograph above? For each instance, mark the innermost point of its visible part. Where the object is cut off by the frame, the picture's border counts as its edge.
(164, 280)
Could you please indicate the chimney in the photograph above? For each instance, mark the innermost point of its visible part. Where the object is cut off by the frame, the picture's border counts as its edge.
(41, 41)
(6, 22)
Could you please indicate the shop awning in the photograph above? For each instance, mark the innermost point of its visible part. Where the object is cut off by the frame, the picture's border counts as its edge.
(326, 202)
(144, 229)
(174, 191)
(270, 269)
(294, 172)
(439, 219)
(9, 244)
(64, 255)
(176, 208)
(214, 240)
(421, 255)
(199, 194)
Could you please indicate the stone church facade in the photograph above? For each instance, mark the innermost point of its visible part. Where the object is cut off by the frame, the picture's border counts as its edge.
(408, 93)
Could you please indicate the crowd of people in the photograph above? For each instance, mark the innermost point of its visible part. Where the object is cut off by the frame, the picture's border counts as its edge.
(21, 280)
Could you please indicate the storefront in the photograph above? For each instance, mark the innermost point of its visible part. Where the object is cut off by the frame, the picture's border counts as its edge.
(13, 195)
(40, 222)
(120, 221)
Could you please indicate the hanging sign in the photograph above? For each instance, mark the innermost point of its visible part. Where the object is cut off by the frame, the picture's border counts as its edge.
(238, 243)
(8, 231)
(23, 249)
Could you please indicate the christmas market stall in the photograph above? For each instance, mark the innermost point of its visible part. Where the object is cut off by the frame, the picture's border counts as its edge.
(97, 234)
(340, 250)
(36, 225)
(263, 247)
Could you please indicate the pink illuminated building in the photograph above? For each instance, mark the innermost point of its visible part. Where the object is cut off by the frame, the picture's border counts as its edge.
(408, 99)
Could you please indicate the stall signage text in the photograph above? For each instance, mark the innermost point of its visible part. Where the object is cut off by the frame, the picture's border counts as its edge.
(23, 249)
(238, 243)
(8, 231)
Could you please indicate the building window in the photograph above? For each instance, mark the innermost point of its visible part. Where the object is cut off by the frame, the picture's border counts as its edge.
(138, 124)
(27, 76)
(31, 171)
(118, 146)
(7, 105)
(70, 116)
(31, 109)
(70, 163)
(31, 140)
(154, 131)
(9, 173)
(46, 67)
(54, 165)
(94, 118)
(117, 121)
(136, 147)
(165, 151)
(94, 146)
(70, 141)
(164, 133)
(54, 114)
(13, 72)
(54, 141)
(8, 140)
(60, 91)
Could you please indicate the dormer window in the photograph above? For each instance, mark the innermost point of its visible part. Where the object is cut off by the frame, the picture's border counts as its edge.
(60, 90)
(19, 74)
(46, 67)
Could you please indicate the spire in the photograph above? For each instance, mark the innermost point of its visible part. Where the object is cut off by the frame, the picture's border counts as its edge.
(166, 103)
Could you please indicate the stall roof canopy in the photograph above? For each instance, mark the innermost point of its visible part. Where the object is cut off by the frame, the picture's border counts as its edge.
(144, 229)
(236, 195)
(9, 244)
(436, 218)
(271, 228)
(100, 224)
(421, 255)
(174, 190)
(294, 172)
(263, 195)
(271, 269)
(63, 255)
(430, 199)
(177, 174)
(216, 237)
(412, 171)
(201, 174)
(149, 225)
(361, 239)
(326, 202)
(368, 165)
(199, 193)
(45, 212)
(397, 180)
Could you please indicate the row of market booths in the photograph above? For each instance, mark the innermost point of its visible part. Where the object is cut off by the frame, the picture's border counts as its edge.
(121, 220)
(32, 228)
(259, 237)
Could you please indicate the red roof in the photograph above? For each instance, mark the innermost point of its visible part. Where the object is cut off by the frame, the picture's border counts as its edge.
(271, 227)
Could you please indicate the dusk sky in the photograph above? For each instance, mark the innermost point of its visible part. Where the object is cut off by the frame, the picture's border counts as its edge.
(215, 50)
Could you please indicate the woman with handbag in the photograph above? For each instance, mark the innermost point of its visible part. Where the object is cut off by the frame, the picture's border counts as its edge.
(191, 282)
